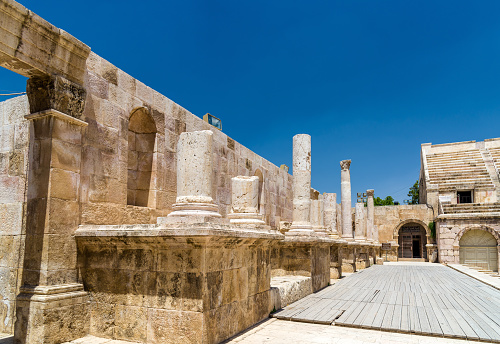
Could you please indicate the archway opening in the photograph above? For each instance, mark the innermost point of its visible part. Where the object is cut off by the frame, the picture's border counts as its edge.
(412, 241)
(141, 147)
(478, 248)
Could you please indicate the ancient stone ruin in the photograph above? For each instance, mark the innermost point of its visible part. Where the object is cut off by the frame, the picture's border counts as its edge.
(125, 216)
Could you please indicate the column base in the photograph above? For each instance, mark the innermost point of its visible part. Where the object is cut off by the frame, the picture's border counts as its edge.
(246, 218)
(196, 209)
(300, 230)
(51, 314)
(320, 231)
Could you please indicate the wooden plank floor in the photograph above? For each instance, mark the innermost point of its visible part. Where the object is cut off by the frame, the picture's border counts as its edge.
(425, 299)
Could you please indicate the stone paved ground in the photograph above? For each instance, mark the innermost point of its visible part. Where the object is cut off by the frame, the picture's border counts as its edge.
(274, 331)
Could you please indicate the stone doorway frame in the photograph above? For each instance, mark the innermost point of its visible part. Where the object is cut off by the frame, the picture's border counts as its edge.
(395, 234)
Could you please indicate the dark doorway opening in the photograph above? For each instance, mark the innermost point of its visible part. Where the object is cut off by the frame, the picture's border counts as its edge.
(464, 197)
(416, 248)
(412, 241)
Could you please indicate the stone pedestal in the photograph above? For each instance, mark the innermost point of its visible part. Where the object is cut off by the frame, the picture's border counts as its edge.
(245, 201)
(345, 178)
(301, 224)
(52, 306)
(303, 256)
(175, 283)
(336, 259)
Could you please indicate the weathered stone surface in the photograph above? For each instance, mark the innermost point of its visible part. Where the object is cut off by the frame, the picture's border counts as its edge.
(57, 93)
(192, 277)
(33, 47)
(289, 288)
(301, 224)
(345, 177)
(360, 222)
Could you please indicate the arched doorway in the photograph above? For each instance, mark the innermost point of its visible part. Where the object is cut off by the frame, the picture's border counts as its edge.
(412, 239)
(478, 248)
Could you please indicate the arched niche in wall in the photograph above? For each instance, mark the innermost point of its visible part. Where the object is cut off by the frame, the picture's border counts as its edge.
(141, 147)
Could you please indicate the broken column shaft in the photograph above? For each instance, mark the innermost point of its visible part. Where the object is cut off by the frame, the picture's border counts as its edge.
(301, 224)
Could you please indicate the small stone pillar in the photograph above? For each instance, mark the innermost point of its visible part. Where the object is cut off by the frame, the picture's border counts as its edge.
(194, 176)
(339, 219)
(317, 211)
(345, 179)
(360, 233)
(301, 224)
(330, 214)
(370, 217)
(375, 234)
(245, 201)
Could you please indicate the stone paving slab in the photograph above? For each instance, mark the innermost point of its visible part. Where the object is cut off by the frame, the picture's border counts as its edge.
(493, 281)
(428, 299)
(274, 331)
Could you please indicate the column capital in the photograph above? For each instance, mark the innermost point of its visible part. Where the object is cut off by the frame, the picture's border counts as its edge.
(58, 93)
(345, 164)
(370, 192)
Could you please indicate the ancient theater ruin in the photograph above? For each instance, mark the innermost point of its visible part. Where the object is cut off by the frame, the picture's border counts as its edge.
(125, 216)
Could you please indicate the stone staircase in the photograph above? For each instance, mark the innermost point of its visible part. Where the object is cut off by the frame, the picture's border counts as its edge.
(484, 271)
(455, 169)
(471, 208)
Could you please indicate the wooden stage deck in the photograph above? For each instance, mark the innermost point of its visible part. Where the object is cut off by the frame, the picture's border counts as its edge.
(428, 299)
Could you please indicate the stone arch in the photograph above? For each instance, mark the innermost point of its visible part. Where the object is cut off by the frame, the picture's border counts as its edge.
(141, 176)
(423, 248)
(492, 231)
(405, 222)
(489, 259)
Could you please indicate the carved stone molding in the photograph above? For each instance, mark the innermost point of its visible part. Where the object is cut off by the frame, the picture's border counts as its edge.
(345, 164)
(58, 93)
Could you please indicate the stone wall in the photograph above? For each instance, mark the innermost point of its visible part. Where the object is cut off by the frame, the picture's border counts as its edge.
(388, 218)
(13, 167)
(450, 229)
(112, 96)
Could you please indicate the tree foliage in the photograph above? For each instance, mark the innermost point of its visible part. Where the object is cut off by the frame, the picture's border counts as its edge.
(377, 201)
(413, 194)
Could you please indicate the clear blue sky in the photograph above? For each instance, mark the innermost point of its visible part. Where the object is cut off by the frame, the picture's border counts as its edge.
(368, 80)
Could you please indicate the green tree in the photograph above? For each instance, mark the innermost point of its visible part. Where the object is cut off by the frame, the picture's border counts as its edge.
(377, 201)
(413, 193)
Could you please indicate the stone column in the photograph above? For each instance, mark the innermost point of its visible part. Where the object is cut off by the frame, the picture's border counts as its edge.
(330, 214)
(345, 178)
(317, 212)
(194, 176)
(370, 217)
(245, 201)
(50, 286)
(360, 222)
(301, 224)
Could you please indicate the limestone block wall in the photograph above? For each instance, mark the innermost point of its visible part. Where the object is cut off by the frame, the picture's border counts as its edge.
(449, 231)
(14, 136)
(388, 218)
(112, 96)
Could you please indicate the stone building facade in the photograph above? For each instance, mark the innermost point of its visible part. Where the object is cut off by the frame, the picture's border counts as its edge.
(460, 181)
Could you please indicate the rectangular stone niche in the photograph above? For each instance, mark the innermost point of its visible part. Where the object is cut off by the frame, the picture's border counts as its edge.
(192, 284)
